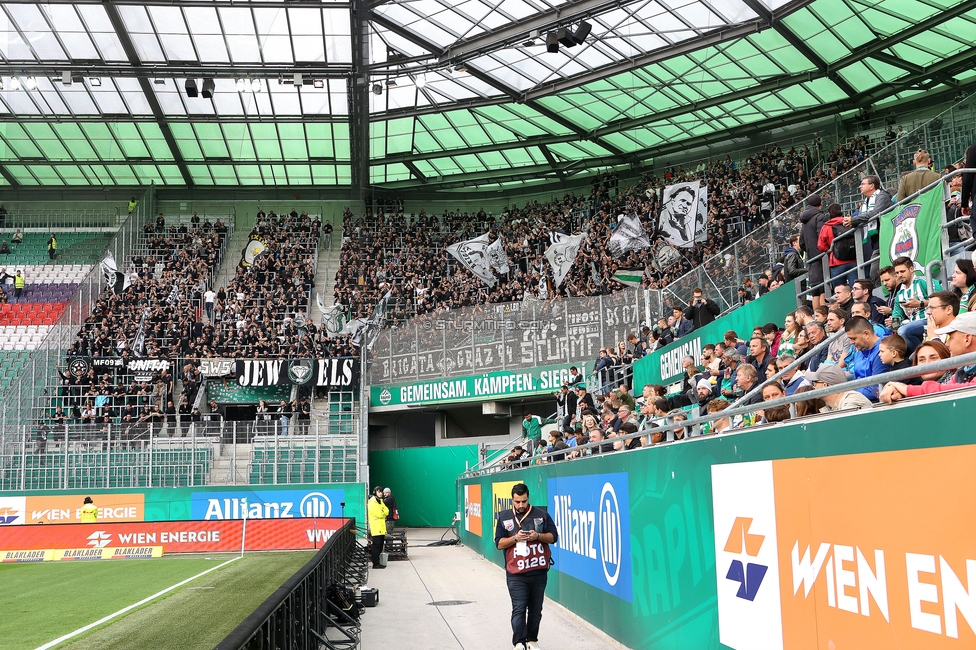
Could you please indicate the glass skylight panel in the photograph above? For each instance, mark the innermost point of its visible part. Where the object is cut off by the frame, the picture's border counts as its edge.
(141, 33)
(37, 31)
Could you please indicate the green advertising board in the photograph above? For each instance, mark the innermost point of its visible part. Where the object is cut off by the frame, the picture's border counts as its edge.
(204, 502)
(666, 589)
(505, 384)
(664, 366)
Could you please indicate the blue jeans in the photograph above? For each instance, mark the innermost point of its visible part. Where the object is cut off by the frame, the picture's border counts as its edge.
(527, 594)
(846, 270)
(913, 332)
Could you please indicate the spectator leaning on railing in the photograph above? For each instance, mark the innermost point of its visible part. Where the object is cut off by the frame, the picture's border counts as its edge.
(961, 340)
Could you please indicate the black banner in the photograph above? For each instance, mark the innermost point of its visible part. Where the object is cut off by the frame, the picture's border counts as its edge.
(333, 373)
(79, 366)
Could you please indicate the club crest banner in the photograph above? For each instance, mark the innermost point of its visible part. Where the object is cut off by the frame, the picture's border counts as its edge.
(562, 253)
(629, 235)
(497, 258)
(914, 231)
(473, 254)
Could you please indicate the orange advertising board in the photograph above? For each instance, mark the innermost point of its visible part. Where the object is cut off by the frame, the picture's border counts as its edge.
(66, 509)
(472, 509)
(861, 551)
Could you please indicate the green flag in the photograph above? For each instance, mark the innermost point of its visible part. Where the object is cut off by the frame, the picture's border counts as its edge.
(629, 278)
(914, 231)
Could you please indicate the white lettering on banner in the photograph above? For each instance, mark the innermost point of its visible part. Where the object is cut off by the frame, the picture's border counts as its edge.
(503, 384)
(434, 391)
(237, 508)
(577, 527)
(671, 360)
(319, 536)
(842, 581)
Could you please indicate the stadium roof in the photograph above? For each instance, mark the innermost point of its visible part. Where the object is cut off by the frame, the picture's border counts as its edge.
(409, 92)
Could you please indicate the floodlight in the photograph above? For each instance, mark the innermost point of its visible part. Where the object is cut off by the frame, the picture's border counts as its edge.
(208, 88)
(66, 78)
(318, 83)
(565, 37)
(298, 78)
(242, 85)
(421, 80)
(15, 83)
(95, 81)
(256, 85)
(31, 83)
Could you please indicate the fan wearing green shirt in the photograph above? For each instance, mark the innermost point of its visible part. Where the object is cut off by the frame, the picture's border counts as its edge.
(532, 431)
(910, 301)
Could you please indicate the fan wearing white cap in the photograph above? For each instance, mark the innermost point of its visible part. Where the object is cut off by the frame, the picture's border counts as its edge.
(960, 339)
(830, 374)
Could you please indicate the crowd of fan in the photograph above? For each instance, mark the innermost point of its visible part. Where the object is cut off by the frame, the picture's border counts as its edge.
(942, 324)
(406, 254)
(171, 300)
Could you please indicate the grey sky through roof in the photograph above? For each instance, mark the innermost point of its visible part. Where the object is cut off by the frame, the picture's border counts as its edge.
(465, 88)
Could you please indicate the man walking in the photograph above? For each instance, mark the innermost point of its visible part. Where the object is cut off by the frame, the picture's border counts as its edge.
(524, 533)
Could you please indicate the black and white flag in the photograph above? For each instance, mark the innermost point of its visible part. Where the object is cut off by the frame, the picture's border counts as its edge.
(364, 331)
(629, 235)
(139, 341)
(562, 253)
(333, 317)
(684, 213)
(254, 248)
(114, 278)
(497, 258)
(473, 254)
(666, 257)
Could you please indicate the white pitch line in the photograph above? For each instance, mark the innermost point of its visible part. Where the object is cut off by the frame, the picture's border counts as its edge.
(82, 630)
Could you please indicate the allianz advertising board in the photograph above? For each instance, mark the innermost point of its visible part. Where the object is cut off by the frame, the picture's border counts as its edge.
(592, 515)
(266, 504)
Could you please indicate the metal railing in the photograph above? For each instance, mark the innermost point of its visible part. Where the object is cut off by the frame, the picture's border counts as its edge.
(40, 220)
(39, 369)
(692, 426)
(299, 615)
(508, 336)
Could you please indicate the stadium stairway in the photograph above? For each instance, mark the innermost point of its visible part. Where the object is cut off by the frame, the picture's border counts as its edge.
(226, 458)
(228, 267)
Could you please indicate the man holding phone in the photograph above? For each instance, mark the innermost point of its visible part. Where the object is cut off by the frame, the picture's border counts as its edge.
(524, 533)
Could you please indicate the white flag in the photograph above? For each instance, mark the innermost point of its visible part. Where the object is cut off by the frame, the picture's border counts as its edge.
(629, 235)
(562, 253)
(115, 279)
(497, 258)
(365, 331)
(473, 254)
(683, 215)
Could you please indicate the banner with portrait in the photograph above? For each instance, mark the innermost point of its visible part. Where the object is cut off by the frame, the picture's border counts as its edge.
(684, 214)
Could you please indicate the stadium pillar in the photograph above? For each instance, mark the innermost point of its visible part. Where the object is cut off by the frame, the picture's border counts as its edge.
(359, 84)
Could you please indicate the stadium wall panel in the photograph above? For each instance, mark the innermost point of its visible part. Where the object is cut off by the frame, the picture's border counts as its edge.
(842, 528)
(422, 480)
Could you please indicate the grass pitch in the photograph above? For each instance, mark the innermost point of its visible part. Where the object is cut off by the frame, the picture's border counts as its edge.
(41, 602)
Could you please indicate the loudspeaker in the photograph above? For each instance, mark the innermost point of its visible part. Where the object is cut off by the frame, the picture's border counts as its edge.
(582, 32)
(565, 37)
(552, 42)
(191, 87)
(208, 88)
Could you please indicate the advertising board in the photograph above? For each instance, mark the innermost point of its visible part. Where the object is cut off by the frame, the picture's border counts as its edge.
(472, 509)
(190, 503)
(176, 536)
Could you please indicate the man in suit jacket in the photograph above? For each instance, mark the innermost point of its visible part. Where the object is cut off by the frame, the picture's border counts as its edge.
(922, 176)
